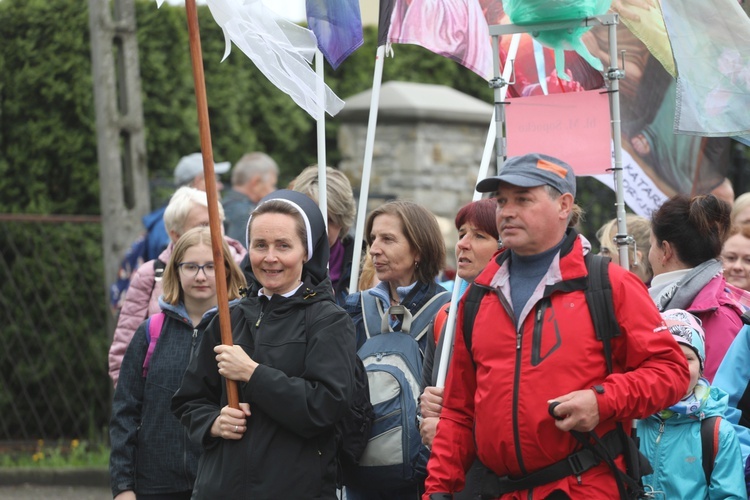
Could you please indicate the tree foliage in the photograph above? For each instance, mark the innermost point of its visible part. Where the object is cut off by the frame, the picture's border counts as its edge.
(47, 139)
(47, 126)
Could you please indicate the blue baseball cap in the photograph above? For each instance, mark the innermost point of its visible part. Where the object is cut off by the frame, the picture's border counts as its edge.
(533, 170)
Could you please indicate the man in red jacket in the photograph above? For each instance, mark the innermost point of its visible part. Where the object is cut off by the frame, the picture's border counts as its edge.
(534, 343)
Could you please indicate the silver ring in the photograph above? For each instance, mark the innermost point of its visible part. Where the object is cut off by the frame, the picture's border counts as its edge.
(236, 427)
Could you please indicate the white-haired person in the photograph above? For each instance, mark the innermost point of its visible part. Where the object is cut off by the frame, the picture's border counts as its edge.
(188, 208)
(740, 215)
(640, 228)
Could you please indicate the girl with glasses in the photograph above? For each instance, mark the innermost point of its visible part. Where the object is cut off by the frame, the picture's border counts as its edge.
(151, 455)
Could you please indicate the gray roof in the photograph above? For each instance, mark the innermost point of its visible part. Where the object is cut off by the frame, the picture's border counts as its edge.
(409, 101)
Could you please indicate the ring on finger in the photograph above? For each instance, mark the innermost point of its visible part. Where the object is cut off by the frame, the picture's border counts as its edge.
(236, 428)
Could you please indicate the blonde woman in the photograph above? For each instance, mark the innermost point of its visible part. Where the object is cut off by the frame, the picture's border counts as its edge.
(640, 228)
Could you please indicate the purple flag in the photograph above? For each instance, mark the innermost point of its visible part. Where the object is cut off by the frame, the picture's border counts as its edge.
(337, 24)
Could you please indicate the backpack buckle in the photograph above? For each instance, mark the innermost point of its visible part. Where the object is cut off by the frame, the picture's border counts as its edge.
(576, 466)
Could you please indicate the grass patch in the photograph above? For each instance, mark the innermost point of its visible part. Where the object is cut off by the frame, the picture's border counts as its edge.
(62, 453)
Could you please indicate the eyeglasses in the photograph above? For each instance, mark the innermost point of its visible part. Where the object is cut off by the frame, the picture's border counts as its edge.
(191, 269)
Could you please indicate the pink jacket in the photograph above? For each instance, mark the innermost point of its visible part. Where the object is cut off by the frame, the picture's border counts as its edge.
(720, 315)
(142, 301)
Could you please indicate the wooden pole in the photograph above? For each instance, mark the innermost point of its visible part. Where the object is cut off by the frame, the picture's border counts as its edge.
(222, 297)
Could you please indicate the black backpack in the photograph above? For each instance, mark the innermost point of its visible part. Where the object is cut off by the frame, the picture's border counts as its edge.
(598, 291)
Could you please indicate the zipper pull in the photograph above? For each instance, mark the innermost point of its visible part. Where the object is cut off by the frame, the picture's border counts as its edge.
(195, 335)
(257, 323)
(518, 340)
(661, 432)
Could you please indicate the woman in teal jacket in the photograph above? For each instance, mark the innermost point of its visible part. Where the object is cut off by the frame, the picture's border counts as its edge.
(671, 439)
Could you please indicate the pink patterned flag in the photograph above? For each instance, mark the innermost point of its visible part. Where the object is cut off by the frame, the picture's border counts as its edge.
(456, 29)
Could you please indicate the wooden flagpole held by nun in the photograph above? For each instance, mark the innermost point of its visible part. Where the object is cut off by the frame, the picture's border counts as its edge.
(222, 297)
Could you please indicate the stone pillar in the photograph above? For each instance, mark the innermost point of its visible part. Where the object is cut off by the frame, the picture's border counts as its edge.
(428, 144)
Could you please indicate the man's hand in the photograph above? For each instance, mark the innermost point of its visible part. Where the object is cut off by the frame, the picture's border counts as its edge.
(578, 410)
(427, 430)
(431, 402)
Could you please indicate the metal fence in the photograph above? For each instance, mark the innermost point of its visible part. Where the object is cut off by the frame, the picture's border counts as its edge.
(54, 335)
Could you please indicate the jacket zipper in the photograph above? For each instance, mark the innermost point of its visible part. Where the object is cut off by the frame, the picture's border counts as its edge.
(516, 381)
(185, 437)
(516, 384)
(656, 465)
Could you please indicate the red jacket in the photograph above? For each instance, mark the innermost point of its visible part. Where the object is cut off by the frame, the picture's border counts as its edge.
(501, 404)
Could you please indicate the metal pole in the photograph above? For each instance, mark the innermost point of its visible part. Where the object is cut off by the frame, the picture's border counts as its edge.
(364, 186)
(499, 83)
(614, 75)
(321, 128)
(500, 93)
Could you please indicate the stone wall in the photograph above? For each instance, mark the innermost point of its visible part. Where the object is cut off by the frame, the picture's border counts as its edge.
(434, 164)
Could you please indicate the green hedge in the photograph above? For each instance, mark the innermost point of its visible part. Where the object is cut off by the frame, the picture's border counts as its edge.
(56, 340)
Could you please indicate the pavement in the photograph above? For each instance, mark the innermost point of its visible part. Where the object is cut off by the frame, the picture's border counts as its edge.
(59, 484)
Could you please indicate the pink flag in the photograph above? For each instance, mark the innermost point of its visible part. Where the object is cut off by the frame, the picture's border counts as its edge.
(456, 29)
(573, 127)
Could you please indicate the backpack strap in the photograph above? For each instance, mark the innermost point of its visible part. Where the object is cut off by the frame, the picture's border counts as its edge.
(159, 267)
(710, 444)
(154, 325)
(601, 306)
(375, 318)
(421, 321)
(474, 296)
(372, 313)
(438, 324)
(600, 302)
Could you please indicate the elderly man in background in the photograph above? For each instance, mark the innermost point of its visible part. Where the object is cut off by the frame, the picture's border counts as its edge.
(253, 177)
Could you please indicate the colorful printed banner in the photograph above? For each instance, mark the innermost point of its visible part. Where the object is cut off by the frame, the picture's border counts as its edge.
(672, 162)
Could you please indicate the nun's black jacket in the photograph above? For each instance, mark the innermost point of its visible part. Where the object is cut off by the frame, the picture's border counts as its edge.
(301, 388)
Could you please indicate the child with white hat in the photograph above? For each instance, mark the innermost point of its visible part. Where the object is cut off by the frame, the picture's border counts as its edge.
(672, 439)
